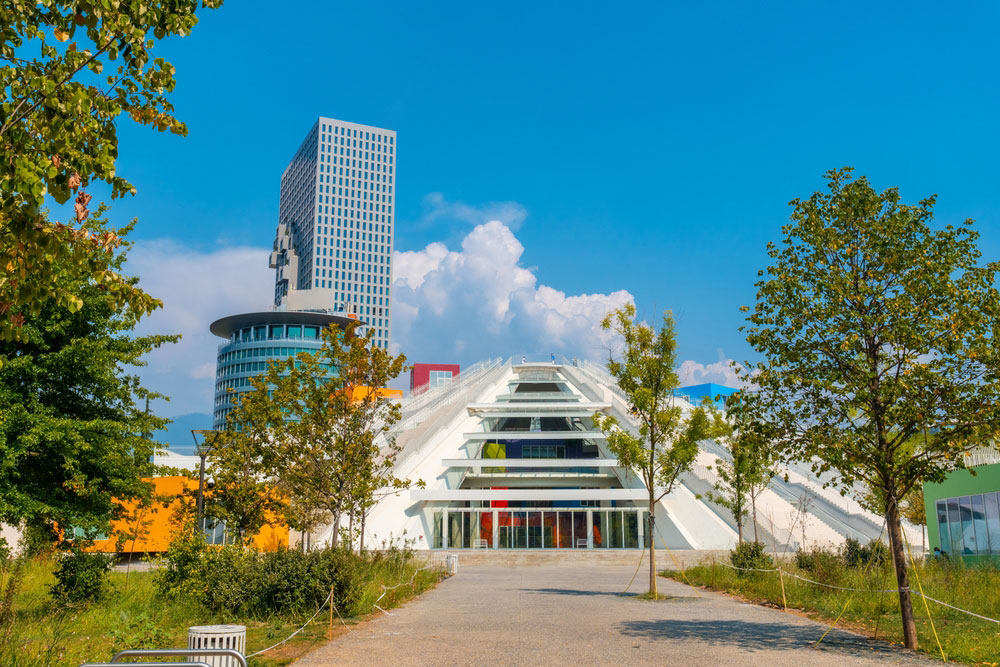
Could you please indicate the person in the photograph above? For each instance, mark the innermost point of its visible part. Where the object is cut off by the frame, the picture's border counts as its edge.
(523, 359)
(553, 355)
(574, 361)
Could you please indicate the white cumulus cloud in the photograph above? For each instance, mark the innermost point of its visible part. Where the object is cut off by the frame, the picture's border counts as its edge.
(460, 305)
(196, 288)
(480, 301)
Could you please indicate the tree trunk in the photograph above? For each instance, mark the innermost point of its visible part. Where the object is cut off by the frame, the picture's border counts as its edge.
(753, 514)
(652, 548)
(335, 536)
(361, 541)
(739, 529)
(902, 577)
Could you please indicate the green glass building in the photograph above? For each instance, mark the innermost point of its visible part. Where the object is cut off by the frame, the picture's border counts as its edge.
(963, 511)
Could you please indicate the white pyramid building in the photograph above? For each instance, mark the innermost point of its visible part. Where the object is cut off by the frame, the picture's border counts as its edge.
(510, 459)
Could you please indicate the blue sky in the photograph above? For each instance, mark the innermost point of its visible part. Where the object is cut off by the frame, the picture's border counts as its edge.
(651, 148)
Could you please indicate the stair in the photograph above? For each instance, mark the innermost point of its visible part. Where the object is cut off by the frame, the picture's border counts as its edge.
(665, 559)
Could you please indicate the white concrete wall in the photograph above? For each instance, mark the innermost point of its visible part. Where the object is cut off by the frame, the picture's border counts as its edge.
(12, 535)
(399, 516)
(701, 527)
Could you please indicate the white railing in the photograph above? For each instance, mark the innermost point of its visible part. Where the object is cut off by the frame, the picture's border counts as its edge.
(417, 409)
(705, 473)
(416, 449)
(600, 374)
(982, 456)
(429, 395)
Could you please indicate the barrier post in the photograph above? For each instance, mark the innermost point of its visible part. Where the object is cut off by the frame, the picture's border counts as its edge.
(330, 632)
(916, 575)
(781, 578)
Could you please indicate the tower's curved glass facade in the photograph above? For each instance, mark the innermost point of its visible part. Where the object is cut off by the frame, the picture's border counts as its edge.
(254, 339)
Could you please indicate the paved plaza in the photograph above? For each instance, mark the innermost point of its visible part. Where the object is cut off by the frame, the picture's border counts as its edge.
(576, 614)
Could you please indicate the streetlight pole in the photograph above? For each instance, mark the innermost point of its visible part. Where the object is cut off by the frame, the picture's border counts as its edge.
(202, 453)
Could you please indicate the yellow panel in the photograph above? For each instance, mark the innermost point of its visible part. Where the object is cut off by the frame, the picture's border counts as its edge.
(495, 450)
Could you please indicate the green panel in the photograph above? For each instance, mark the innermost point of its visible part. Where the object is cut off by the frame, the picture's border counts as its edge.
(959, 483)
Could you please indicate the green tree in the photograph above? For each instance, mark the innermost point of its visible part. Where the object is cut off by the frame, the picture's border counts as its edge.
(374, 479)
(71, 70)
(752, 467)
(330, 428)
(873, 327)
(241, 461)
(73, 425)
(666, 443)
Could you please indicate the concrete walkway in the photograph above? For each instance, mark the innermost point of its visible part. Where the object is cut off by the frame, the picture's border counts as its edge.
(576, 615)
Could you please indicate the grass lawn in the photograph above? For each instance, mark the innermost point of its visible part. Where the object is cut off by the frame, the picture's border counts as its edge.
(963, 637)
(133, 615)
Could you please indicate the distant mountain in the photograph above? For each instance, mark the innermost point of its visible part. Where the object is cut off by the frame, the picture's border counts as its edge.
(177, 435)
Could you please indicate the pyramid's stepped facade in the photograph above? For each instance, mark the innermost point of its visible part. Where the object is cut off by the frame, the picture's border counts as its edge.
(510, 459)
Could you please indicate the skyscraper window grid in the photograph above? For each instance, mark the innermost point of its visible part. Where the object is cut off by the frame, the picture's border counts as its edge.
(335, 232)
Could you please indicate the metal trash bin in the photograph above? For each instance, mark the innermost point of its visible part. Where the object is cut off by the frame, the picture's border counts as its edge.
(451, 564)
(217, 636)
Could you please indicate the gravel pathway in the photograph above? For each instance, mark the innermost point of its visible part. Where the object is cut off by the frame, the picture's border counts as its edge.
(559, 615)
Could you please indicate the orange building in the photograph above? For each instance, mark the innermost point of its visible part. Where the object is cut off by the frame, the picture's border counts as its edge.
(363, 392)
(149, 529)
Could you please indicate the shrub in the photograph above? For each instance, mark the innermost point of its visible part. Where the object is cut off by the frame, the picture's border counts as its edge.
(750, 556)
(855, 555)
(236, 580)
(139, 631)
(80, 577)
(876, 553)
(38, 539)
(180, 562)
(851, 552)
(824, 565)
(804, 560)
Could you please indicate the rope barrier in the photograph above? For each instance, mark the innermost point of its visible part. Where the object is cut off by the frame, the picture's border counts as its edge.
(964, 611)
(860, 590)
(844, 588)
(329, 598)
(637, 566)
(850, 597)
(386, 589)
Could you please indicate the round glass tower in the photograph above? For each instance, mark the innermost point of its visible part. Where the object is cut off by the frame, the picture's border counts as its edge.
(254, 339)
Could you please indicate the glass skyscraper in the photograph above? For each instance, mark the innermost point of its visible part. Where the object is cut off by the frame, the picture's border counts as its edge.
(333, 246)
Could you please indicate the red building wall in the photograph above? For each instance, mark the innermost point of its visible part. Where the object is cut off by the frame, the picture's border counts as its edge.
(421, 373)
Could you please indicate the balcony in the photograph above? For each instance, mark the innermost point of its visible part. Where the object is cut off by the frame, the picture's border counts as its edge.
(537, 409)
(478, 464)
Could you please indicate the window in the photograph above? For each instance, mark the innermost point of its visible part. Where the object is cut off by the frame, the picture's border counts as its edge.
(970, 525)
(78, 533)
(295, 332)
(543, 451)
(439, 378)
(215, 533)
